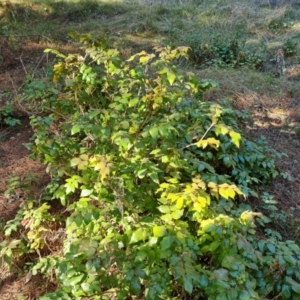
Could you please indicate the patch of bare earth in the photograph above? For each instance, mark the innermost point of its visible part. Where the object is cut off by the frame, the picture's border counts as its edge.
(17, 60)
(276, 120)
(14, 160)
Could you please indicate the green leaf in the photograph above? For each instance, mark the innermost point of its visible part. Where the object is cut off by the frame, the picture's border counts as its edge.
(137, 236)
(271, 247)
(232, 294)
(133, 102)
(171, 77)
(153, 241)
(164, 209)
(167, 218)
(208, 226)
(135, 286)
(177, 214)
(221, 274)
(154, 132)
(295, 286)
(188, 286)
(86, 287)
(75, 280)
(222, 296)
(154, 177)
(290, 259)
(244, 295)
(76, 128)
(166, 243)
(286, 292)
(235, 137)
(85, 193)
(141, 256)
(159, 231)
(142, 173)
(75, 161)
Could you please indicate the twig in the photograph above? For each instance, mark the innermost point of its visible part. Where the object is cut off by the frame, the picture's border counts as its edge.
(203, 136)
(13, 85)
(38, 64)
(45, 37)
(24, 68)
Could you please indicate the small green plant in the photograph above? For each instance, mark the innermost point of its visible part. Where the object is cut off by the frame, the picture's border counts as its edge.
(279, 24)
(290, 47)
(6, 116)
(232, 53)
(17, 185)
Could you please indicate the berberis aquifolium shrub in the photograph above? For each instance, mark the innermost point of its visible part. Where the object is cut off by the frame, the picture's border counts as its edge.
(154, 180)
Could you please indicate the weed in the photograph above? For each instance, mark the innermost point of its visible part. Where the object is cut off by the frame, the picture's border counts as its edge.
(232, 53)
(290, 47)
(7, 118)
(279, 24)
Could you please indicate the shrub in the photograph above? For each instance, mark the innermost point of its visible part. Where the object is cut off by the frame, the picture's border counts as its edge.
(232, 53)
(154, 181)
(290, 47)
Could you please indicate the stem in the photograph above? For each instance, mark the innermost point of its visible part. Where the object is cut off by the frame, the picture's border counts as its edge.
(203, 136)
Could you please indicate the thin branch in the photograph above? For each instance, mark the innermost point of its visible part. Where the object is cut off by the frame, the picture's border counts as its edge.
(13, 85)
(24, 68)
(38, 64)
(203, 136)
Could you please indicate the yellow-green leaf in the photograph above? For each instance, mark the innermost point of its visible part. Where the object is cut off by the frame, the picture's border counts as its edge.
(84, 156)
(227, 192)
(75, 161)
(137, 236)
(179, 203)
(177, 214)
(164, 209)
(171, 77)
(85, 193)
(208, 225)
(145, 59)
(75, 129)
(159, 231)
(235, 137)
(221, 129)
